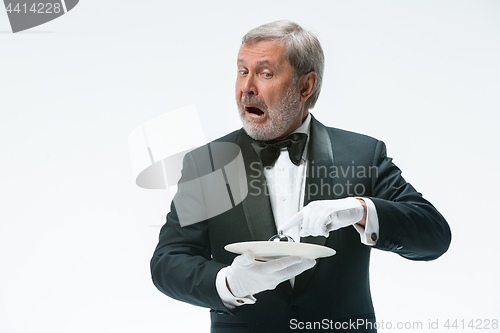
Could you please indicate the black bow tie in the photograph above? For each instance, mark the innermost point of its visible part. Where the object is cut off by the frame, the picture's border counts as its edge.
(269, 151)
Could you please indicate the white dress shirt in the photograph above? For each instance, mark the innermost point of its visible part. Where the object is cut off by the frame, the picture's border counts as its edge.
(286, 186)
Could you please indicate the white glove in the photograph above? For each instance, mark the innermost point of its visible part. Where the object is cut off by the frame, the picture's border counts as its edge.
(247, 277)
(320, 217)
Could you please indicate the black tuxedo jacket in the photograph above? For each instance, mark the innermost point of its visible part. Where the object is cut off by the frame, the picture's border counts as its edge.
(336, 291)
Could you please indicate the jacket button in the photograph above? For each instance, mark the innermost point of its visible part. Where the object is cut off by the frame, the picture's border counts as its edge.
(294, 311)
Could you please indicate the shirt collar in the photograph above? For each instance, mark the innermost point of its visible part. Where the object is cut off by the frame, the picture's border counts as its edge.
(305, 128)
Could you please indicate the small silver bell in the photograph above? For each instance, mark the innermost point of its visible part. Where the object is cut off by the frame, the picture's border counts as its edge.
(281, 237)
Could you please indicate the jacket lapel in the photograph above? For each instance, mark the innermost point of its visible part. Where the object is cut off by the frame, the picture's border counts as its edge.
(318, 185)
(319, 163)
(256, 206)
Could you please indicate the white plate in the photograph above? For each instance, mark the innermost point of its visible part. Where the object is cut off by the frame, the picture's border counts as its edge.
(265, 250)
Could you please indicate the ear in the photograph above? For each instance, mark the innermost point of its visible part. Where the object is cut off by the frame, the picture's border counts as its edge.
(306, 85)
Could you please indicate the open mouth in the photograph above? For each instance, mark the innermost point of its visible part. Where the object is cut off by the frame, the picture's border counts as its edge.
(254, 110)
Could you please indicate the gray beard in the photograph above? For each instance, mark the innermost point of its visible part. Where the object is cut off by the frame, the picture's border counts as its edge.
(280, 118)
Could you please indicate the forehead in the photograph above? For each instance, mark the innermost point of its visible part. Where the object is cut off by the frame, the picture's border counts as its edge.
(266, 51)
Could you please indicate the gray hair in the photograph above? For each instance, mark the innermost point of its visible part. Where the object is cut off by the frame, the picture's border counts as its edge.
(303, 49)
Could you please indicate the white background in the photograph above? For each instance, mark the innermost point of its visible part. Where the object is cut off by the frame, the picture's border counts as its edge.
(76, 233)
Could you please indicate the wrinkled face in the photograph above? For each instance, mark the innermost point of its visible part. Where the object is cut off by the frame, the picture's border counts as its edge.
(267, 91)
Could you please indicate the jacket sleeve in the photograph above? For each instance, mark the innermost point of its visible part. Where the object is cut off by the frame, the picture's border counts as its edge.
(182, 267)
(408, 224)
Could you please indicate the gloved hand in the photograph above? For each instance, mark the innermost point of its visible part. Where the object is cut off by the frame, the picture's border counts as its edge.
(320, 217)
(246, 276)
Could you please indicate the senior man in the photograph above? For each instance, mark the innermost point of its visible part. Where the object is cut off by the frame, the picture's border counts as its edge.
(322, 185)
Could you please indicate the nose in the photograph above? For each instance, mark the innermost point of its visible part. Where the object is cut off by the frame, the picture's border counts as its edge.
(248, 87)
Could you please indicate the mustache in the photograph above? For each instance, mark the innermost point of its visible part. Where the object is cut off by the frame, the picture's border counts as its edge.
(245, 99)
